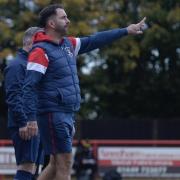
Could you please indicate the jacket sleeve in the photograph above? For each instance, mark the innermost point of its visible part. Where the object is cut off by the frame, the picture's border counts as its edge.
(100, 39)
(14, 76)
(31, 81)
(36, 68)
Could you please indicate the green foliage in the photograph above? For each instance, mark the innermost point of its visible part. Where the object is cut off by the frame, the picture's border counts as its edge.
(140, 75)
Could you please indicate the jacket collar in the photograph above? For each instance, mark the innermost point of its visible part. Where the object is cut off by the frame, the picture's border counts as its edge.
(43, 37)
(22, 52)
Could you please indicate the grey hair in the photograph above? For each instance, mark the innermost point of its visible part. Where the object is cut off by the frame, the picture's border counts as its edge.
(29, 33)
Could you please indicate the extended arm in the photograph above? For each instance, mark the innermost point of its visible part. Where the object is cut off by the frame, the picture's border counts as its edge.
(100, 39)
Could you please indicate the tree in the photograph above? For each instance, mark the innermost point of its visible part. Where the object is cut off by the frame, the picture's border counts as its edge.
(139, 76)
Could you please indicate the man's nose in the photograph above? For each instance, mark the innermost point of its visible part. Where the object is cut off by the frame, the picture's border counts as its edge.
(68, 21)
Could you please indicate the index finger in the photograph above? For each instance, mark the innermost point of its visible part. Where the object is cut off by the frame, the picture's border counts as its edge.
(142, 21)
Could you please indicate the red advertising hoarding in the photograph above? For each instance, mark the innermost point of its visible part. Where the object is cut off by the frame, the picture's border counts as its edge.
(140, 161)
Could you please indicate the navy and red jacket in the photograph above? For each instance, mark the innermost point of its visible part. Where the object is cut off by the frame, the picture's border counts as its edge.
(51, 78)
(14, 77)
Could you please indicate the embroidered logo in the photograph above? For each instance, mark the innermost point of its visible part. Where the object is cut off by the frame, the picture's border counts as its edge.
(68, 51)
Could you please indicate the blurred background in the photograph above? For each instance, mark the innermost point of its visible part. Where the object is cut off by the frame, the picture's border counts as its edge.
(130, 89)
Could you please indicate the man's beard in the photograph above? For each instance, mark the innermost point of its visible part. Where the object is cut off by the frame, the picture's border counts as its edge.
(61, 31)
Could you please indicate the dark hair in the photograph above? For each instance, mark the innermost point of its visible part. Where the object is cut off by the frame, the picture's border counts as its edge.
(47, 12)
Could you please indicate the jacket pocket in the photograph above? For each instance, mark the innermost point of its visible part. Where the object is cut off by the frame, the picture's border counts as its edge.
(51, 96)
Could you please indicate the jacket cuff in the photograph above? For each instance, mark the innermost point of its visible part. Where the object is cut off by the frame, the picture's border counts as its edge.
(31, 117)
(22, 124)
(124, 31)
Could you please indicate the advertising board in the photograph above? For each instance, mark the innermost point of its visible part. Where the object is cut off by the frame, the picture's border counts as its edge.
(140, 161)
(7, 161)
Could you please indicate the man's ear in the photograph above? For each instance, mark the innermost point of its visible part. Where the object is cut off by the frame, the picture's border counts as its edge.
(51, 23)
